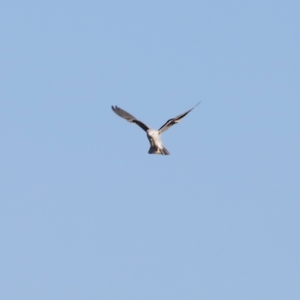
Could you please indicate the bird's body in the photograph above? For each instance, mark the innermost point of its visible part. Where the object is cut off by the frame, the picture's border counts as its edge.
(156, 144)
(154, 136)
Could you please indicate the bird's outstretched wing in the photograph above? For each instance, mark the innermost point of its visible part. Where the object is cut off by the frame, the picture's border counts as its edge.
(175, 120)
(123, 114)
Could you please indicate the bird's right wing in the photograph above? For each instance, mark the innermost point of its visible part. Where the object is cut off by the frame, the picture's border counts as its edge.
(125, 115)
(175, 120)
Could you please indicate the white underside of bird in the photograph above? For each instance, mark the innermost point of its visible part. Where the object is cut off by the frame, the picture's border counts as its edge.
(157, 146)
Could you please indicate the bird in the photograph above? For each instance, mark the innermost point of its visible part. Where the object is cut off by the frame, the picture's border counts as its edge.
(154, 136)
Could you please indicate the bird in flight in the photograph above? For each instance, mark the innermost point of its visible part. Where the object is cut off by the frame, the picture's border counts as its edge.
(156, 146)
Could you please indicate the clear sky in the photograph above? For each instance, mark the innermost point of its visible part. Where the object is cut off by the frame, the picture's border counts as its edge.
(87, 213)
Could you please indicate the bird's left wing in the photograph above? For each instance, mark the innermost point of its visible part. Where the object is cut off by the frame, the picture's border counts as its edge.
(124, 114)
(175, 120)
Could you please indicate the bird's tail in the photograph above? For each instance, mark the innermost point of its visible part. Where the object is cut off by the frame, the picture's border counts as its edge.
(156, 150)
(165, 151)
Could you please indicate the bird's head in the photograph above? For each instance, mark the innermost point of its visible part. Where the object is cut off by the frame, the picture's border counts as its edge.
(151, 132)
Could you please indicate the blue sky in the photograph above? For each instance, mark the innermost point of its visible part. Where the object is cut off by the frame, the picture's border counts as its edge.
(87, 213)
